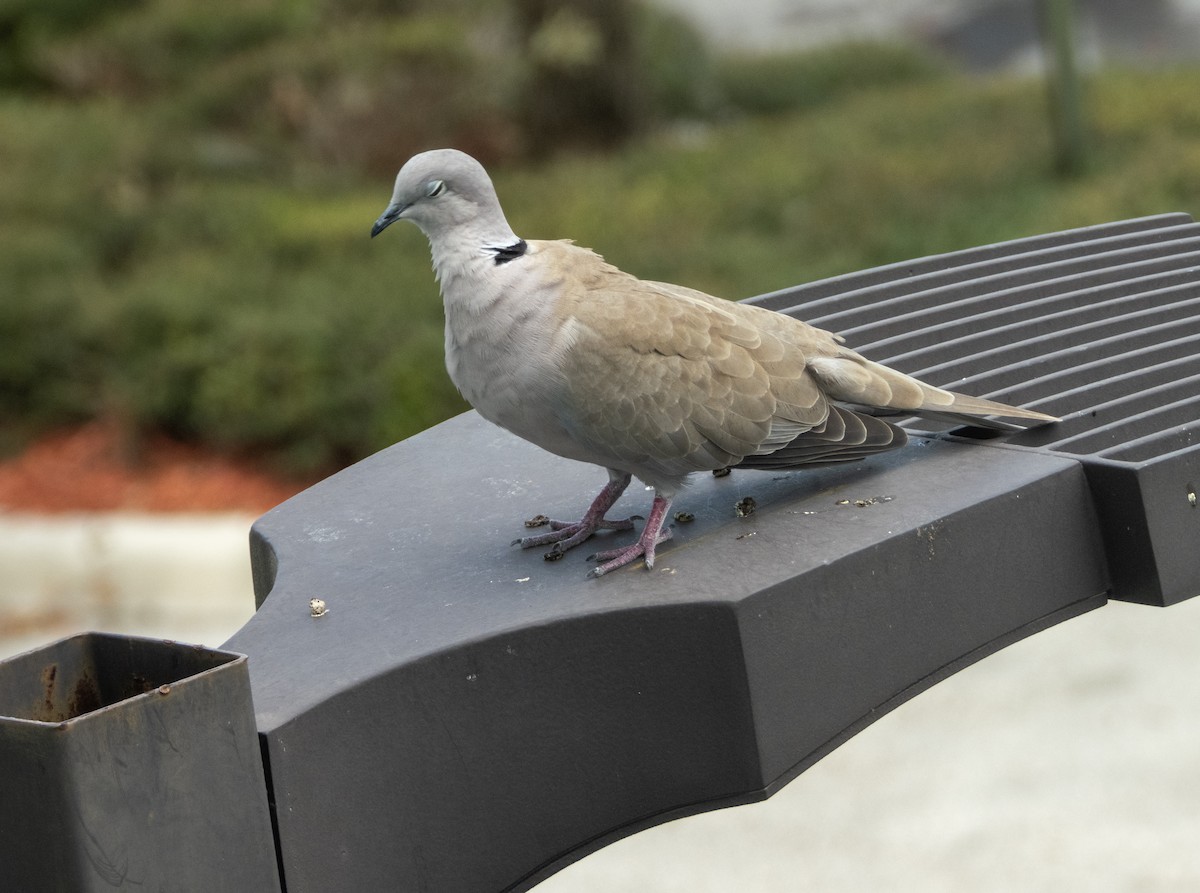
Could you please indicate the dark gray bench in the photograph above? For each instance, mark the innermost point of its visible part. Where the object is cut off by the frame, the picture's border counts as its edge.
(467, 717)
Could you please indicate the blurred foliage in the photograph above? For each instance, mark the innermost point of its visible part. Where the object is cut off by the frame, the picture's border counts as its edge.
(187, 191)
(789, 81)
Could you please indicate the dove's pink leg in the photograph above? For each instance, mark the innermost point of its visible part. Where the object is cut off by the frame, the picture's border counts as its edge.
(566, 535)
(652, 534)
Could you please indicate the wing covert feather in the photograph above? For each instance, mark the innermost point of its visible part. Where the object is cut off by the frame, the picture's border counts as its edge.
(677, 377)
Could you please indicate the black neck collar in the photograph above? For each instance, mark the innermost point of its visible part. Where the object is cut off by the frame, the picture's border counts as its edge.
(510, 252)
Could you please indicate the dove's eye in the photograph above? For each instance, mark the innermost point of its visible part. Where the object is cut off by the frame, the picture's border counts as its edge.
(434, 188)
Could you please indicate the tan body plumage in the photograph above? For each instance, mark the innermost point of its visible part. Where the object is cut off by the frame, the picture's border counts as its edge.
(643, 378)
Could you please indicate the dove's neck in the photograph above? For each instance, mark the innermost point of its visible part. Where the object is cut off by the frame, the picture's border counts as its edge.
(505, 339)
(467, 251)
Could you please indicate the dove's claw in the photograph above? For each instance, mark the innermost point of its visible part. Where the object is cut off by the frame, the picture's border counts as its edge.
(652, 536)
(602, 524)
(612, 559)
(564, 535)
(569, 535)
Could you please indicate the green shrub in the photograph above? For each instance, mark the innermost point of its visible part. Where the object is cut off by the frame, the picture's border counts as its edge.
(794, 80)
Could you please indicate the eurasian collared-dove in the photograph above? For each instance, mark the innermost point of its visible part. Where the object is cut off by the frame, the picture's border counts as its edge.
(548, 340)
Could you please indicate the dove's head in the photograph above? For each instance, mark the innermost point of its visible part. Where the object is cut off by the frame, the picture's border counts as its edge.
(449, 195)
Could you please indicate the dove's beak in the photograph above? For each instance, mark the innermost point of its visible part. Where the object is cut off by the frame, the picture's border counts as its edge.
(390, 216)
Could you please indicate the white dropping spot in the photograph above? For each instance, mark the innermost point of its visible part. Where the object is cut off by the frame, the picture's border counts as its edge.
(324, 534)
(506, 486)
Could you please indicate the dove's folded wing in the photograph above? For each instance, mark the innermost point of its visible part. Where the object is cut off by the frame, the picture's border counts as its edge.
(674, 381)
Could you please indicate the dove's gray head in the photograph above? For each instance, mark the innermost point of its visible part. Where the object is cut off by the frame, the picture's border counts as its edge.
(449, 195)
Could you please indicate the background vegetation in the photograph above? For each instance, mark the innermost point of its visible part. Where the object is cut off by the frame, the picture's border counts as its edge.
(187, 187)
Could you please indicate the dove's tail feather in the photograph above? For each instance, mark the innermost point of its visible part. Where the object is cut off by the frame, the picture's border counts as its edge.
(964, 410)
(967, 409)
(859, 430)
(877, 390)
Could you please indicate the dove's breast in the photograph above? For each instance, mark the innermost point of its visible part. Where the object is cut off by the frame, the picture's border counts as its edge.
(504, 354)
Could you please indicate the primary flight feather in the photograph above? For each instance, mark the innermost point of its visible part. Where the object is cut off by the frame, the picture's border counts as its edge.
(645, 379)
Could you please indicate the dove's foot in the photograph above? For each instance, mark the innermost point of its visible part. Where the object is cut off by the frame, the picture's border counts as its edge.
(652, 536)
(564, 535)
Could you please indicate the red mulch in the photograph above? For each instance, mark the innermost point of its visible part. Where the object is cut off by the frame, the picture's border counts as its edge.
(83, 470)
